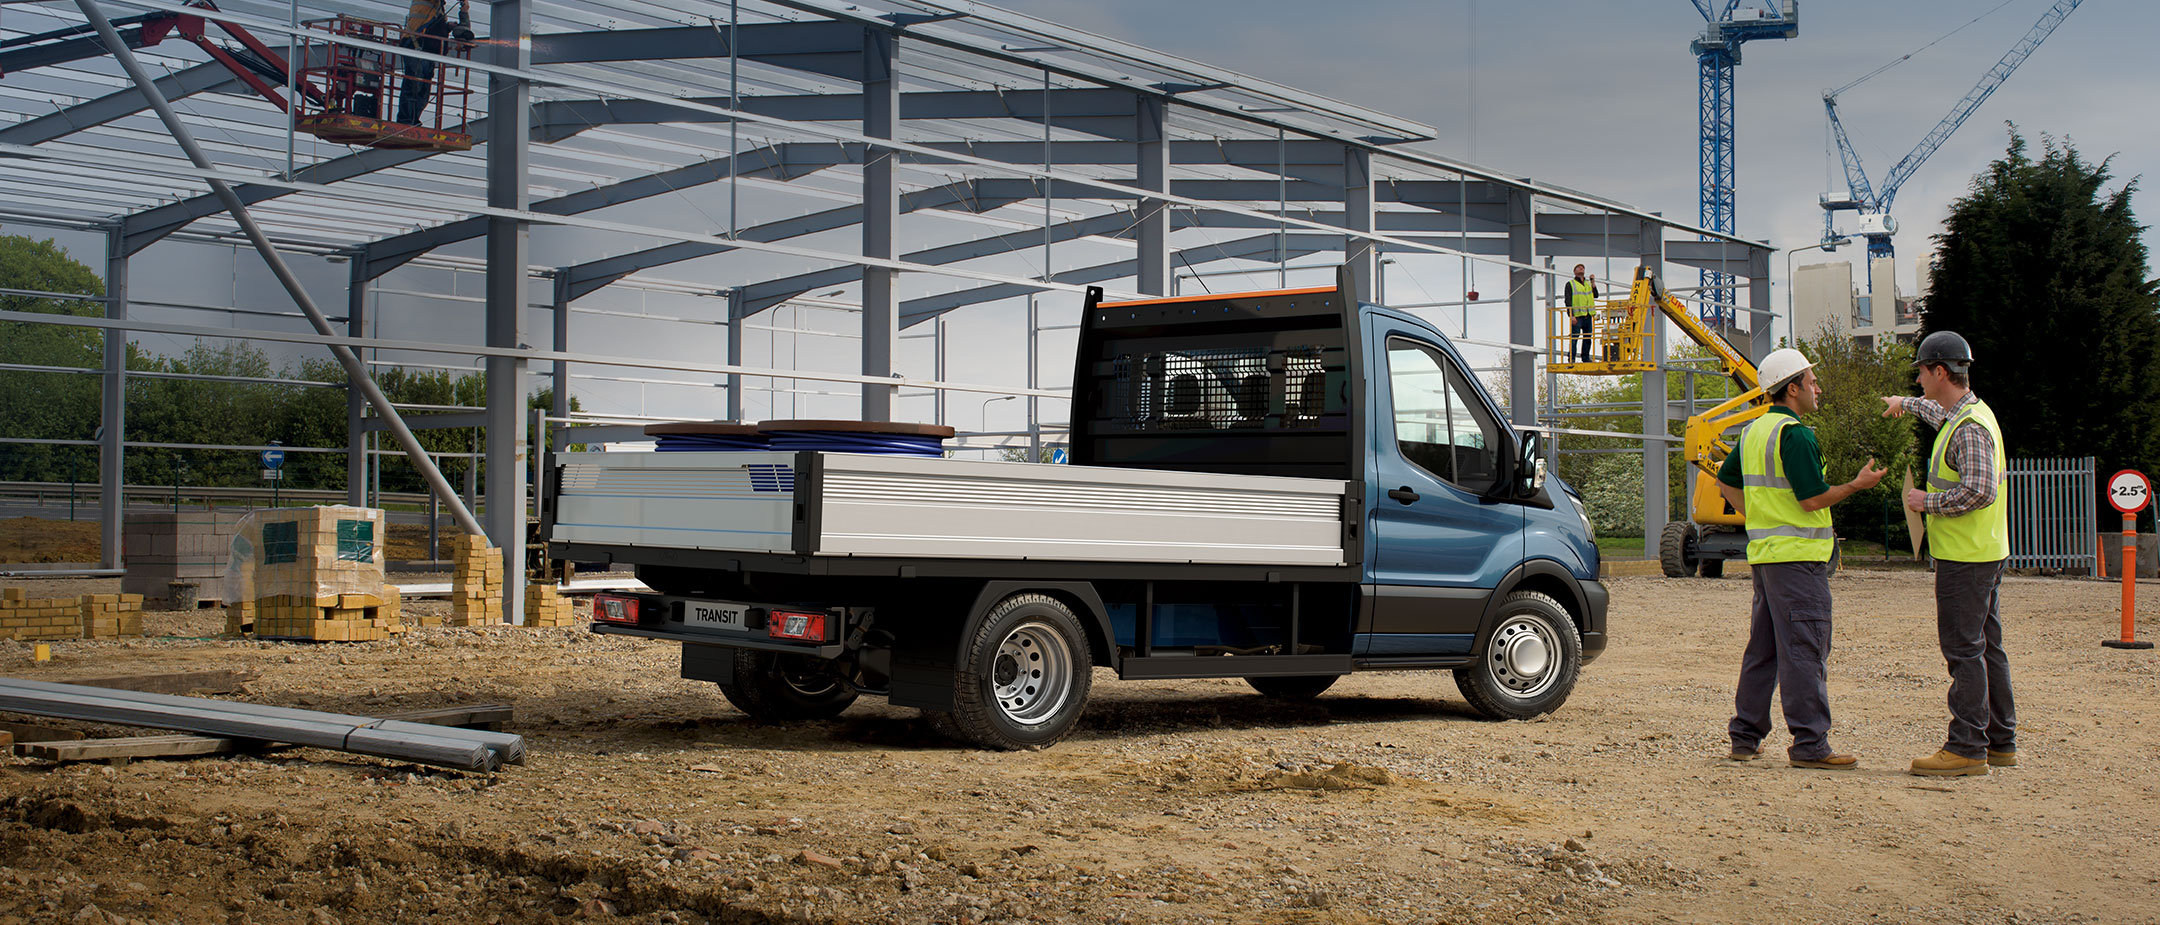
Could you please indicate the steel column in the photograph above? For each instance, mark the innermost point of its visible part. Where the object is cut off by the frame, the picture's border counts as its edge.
(112, 420)
(510, 109)
(559, 387)
(1657, 473)
(1153, 229)
(356, 438)
(1522, 306)
(735, 354)
(1358, 254)
(881, 212)
(1762, 314)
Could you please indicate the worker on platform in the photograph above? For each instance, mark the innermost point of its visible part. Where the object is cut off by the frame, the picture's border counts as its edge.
(425, 25)
(1776, 478)
(1582, 296)
(1968, 530)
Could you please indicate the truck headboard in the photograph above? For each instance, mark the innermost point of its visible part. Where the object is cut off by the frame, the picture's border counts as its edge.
(1258, 383)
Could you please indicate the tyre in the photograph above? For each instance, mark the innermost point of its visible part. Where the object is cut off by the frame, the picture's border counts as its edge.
(1023, 677)
(1713, 568)
(1530, 663)
(777, 688)
(1676, 549)
(1296, 687)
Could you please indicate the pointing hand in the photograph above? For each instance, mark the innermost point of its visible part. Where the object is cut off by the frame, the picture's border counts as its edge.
(1894, 406)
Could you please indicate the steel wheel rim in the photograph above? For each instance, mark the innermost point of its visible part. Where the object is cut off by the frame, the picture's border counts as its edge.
(1029, 676)
(805, 682)
(1521, 657)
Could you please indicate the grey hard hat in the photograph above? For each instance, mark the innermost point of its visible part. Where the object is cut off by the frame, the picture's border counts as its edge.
(1946, 348)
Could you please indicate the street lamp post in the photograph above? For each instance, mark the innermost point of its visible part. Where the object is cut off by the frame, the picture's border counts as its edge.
(982, 414)
(1792, 331)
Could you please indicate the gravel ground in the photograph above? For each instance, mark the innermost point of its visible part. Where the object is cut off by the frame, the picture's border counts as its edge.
(648, 799)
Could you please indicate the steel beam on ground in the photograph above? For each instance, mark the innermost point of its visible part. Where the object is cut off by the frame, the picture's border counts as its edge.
(508, 165)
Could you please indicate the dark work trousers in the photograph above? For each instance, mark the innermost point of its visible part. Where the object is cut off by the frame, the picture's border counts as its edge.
(1968, 621)
(419, 82)
(1581, 329)
(1788, 650)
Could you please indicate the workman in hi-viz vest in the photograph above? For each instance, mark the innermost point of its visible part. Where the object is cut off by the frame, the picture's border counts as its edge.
(1776, 478)
(1968, 533)
(1582, 295)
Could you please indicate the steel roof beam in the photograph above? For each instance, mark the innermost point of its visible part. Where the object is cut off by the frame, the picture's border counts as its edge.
(202, 78)
(1257, 247)
(758, 297)
(1107, 113)
(831, 49)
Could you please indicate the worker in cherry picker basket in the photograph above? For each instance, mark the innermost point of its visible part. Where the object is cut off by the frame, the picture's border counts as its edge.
(425, 26)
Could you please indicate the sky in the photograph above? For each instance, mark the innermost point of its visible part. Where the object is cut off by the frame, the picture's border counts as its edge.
(1595, 95)
(1600, 95)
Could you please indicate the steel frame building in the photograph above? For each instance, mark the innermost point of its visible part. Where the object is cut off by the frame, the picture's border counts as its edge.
(900, 159)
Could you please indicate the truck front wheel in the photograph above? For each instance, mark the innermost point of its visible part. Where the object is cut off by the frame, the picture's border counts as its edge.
(776, 688)
(1023, 677)
(1530, 663)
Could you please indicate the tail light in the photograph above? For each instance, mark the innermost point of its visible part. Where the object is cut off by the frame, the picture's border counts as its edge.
(801, 625)
(610, 608)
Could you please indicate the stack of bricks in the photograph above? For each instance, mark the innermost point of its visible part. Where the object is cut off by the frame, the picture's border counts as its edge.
(24, 618)
(545, 606)
(161, 547)
(476, 588)
(325, 618)
(111, 615)
(319, 576)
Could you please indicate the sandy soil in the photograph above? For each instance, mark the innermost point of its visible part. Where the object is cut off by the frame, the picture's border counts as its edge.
(649, 799)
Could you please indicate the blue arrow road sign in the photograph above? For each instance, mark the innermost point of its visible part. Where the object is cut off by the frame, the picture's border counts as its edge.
(273, 459)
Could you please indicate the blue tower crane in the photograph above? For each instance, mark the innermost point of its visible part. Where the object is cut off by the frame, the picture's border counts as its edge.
(1717, 53)
(1873, 203)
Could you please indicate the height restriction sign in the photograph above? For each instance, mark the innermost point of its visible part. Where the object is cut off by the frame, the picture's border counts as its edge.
(2129, 491)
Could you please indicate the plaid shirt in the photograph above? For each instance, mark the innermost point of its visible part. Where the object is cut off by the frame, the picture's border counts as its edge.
(1970, 453)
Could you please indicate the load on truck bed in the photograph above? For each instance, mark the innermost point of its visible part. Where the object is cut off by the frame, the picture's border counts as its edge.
(1284, 486)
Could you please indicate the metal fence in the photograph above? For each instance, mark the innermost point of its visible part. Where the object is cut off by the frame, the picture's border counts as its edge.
(2051, 513)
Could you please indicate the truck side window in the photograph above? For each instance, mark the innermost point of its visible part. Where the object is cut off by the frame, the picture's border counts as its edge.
(1440, 425)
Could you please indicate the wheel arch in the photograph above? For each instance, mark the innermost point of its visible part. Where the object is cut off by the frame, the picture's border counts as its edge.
(1078, 596)
(1546, 576)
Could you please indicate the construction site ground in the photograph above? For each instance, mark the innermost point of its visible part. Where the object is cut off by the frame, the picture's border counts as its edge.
(649, 799)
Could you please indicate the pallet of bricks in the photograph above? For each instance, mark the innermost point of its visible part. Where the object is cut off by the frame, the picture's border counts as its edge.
(91, 616)
(314, 573)
(476, 587)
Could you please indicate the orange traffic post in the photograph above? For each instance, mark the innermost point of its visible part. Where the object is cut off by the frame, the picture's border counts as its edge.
(2129, 491)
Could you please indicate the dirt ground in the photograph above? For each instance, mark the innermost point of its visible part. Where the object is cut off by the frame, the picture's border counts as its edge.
(648, 799)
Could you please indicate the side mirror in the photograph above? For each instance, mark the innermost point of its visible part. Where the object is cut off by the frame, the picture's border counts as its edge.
(1530, 466)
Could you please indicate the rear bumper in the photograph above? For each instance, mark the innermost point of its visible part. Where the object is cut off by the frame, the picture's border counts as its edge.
(1595, 601)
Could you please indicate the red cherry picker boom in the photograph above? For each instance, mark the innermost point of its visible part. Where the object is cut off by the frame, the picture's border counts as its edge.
(344, 93)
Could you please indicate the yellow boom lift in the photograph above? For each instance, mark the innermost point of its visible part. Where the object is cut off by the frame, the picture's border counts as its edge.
(1620, 338)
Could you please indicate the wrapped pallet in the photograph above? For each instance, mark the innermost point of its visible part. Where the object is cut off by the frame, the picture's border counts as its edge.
(311, 573)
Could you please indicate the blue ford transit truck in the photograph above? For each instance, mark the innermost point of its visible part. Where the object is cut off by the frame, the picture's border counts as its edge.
(1284, 486)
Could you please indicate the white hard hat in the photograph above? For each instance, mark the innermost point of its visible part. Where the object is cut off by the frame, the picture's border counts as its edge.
(1781, 366)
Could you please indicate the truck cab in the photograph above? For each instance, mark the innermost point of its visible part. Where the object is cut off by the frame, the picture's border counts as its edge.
(1285, 486)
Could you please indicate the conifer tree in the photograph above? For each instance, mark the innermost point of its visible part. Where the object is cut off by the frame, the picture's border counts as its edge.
(2042, 270)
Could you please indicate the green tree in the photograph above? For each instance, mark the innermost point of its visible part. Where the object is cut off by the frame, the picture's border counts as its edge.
(2042, 269)
(39, 404)
(1851, 428)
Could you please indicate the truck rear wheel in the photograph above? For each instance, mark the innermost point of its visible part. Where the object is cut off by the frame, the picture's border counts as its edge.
(1294, 687)
(1023, 677)
(777, 688)
(1530, 663)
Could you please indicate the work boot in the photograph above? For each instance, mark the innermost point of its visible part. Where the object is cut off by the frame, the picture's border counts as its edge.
(1946, 763)
(2002, 759)
(1830, 762)
(1743, 754)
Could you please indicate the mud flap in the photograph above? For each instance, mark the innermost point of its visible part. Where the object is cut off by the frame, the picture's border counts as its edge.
(708, 663)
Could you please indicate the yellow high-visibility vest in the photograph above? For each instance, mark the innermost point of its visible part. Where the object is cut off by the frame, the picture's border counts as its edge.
(1581, 296)
(1981, 534)
(1778, 528)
